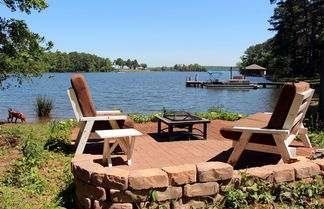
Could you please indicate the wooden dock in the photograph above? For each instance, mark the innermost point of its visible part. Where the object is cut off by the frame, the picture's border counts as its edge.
(202, 84)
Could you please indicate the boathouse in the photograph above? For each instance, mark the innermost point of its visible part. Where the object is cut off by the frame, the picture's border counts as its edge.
(255, 70)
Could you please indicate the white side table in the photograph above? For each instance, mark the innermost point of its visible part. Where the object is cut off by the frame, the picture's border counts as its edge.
(124, 137)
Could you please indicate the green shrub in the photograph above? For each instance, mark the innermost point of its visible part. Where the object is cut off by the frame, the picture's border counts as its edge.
(217, 113)
(257, 191)
(44, 106)
(214, 113)
(59, 135)
(141, 118)
(314, 123)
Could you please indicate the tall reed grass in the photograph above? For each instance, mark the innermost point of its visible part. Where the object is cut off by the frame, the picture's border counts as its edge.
(44, 106)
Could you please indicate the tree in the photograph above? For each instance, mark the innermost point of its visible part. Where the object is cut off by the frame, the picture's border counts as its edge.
(21, 51)
(119, 62)
(128, 63)
(299, 27)
(143, 65)
(134, 64)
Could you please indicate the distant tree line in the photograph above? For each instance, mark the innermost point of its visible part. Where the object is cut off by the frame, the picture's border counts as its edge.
(183, 68)
(295, 49)
(131, 64)
(76, 62)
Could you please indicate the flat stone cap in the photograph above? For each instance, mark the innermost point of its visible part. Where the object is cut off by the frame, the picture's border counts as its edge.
(147, 179)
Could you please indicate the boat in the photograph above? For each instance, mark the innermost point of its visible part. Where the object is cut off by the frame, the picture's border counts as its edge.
(235, 82)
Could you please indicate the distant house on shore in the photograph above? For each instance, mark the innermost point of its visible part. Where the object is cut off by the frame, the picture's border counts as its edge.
(255, 70)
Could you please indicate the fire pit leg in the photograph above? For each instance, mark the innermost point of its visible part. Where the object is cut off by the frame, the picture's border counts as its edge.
(170, 131)
(190, 131)
(159, 126)
(205, 131)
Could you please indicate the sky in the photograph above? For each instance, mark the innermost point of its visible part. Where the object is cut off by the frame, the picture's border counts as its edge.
(155, 32)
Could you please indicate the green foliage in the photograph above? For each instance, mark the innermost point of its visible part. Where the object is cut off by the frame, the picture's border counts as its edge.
(76, 62)
(295, 48)
(21, 51)
(183, 68)
(314, 123)
(38, 178)
(59, 135)
(44, 106)
(257, 191)
(316, 129)
(317, 139)
(141, 118)
(217, 113)
(25, 172)
(214, 113)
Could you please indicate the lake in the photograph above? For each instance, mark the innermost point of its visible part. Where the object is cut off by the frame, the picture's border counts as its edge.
(137, 92)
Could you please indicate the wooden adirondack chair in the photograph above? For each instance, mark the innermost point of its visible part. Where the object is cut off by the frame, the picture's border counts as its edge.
(273, 133)
(88, 117)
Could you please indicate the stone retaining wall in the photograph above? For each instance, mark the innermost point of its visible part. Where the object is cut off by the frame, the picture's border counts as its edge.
(114, 188)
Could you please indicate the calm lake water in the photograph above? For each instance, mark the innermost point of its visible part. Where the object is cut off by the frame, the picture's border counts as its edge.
(137, 92)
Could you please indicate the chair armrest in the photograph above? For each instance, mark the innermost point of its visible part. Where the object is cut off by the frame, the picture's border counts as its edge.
(108, 112)
(261, 130)
(100, 118)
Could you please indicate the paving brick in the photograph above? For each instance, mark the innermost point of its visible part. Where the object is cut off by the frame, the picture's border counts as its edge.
(214, 171)
(320, 163)
(109, 205)
(181, 174)
(261, 173)
(84, 169)
(306, 169)
(281, 172)
(200, 189)
(125, 196)
(110, 177)
(86, 190)
(147, 179)
(168, 193)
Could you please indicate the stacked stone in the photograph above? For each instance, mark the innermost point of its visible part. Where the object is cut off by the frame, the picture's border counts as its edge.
(189, 185)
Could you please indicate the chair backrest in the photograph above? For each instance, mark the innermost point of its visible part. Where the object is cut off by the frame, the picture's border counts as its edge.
(291, 107)
(75, 104)
(83, 96)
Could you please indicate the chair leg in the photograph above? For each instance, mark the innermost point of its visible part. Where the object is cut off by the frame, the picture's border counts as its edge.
(304, 137)
(239, 148)
(84, 137)
(130, 149)
(282, 147)
(105, 151)
(81, 126)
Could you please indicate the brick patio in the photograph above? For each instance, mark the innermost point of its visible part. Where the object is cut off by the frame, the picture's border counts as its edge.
(153, 151)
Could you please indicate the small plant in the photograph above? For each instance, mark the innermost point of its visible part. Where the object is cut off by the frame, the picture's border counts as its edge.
(59, 135)
(314, 123)
(44, 106)
(25, 171)
(141, 118)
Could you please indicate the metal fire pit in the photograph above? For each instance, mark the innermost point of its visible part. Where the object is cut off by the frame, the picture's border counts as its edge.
(179, 115)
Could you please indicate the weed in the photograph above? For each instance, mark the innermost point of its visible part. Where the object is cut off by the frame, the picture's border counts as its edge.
(257, 191)
(314, 123)
(44, 106)
(59, 135)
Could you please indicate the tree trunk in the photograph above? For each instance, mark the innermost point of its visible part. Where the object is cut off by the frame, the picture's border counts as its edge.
(321, 93)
